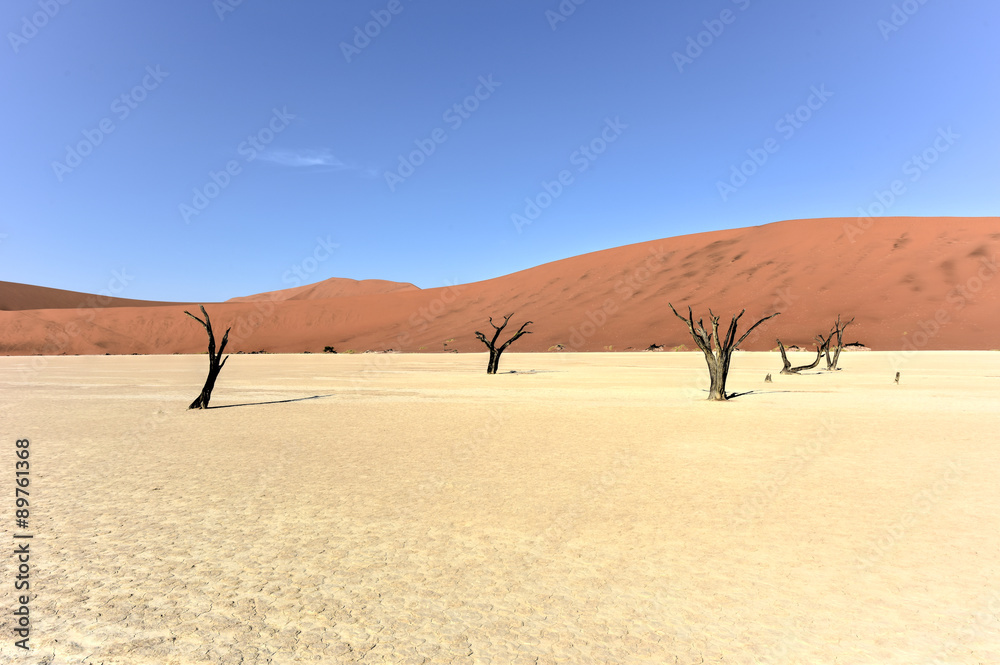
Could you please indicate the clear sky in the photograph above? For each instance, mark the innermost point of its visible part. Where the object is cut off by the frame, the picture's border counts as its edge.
(205, 150)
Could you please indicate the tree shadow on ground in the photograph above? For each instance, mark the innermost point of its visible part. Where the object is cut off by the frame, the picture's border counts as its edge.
(278, 401)
(532, 371)
(751, 392)
(770, 392)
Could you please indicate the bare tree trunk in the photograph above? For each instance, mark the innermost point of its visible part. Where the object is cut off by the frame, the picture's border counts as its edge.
(717, 383)
(824, 344)
(214, 366)
(718, 351)
(201, 402)
(494, 362)
(495, 351)
(788, 369)
(838, 330)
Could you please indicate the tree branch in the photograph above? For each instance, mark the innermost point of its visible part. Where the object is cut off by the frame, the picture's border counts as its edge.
(700, 336)
(196, 318)
(496, 335)
(788, 369)
(747, 333)
(521, 331)
(225, 340)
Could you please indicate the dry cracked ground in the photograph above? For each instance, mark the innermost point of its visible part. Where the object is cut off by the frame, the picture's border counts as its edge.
(576, 508)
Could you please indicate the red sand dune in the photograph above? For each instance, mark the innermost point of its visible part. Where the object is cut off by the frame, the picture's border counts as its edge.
(14, 297)
(927, 283)
(335, 287)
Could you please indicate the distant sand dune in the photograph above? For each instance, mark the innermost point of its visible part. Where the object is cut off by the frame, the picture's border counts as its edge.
(16, 297)
(911, 283)
(335, 287)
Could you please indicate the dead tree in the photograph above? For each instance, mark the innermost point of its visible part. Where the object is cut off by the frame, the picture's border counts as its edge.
(214, 366)
(838, 330)
(495, 351)
(788, 369)
(718, 352)
(824, 345)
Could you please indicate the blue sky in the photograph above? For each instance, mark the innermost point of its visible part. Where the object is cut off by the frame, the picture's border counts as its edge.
(206, 150)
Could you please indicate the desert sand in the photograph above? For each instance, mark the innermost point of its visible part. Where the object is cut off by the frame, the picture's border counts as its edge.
(575, 508)
(910, 283)
(335, 287)
(16, 297)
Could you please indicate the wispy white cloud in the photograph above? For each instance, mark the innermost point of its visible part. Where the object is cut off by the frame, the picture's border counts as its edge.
(303, 158)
